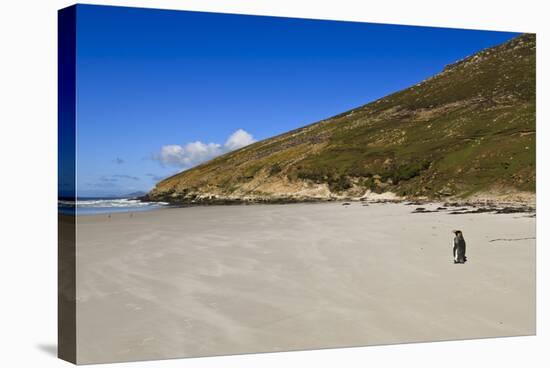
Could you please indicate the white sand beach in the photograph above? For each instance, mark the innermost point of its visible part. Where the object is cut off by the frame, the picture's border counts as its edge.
(216, 280)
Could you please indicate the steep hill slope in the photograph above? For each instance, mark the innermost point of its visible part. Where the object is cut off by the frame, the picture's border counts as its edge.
(467, 130)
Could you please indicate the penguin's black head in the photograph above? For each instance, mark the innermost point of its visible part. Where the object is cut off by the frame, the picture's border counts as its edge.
(457, 232)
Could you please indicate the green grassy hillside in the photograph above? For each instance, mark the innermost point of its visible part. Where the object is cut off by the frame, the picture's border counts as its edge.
(467, 130)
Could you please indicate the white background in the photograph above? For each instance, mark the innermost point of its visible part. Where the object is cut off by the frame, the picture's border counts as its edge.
(28, 179)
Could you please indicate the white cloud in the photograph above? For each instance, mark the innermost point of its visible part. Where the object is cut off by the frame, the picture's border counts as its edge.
(238, 140)
(197, 152)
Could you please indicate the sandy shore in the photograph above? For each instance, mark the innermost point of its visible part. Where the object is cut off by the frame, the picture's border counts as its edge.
(236, 279)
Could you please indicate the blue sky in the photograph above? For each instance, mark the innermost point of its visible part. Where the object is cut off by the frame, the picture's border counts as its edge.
(160, 91)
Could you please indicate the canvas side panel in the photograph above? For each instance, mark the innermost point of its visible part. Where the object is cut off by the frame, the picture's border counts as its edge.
(66, 287)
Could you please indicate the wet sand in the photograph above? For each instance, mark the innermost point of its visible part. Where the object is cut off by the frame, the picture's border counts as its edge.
(220, 280)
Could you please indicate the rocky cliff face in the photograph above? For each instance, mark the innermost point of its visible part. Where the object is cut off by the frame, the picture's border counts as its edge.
(467, 131)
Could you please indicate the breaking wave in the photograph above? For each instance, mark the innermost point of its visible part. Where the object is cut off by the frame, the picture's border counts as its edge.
(106, 205)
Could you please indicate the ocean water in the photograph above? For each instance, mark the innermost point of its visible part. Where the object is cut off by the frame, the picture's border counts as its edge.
(93, 206)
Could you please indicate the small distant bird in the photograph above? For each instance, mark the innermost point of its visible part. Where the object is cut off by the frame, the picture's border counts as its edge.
(459, 247)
